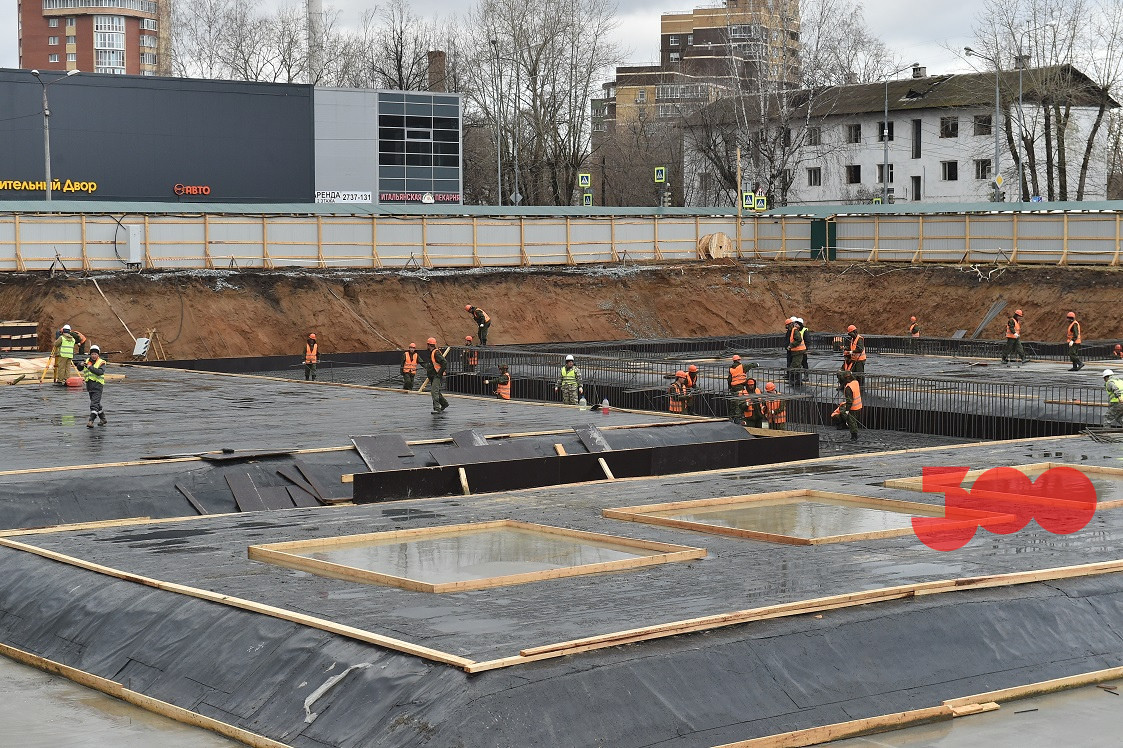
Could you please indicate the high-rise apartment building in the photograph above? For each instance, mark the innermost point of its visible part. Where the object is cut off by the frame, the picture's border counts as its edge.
(99, 36)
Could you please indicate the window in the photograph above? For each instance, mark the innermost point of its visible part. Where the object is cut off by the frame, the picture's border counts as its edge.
(52, 22)
(148, 24)
(881, 132)
(147, 58)
(881, 173)
(916, 188)
(950, 170)
(110, 23)
(854, 174)
(147, 40)
(787, 177)
(690, 40)
(71, 40)
(982, 168)
(109, 41)
(982, 124)
(71, 57)
(52, 58)
(814, 136)
(641, 96)
(107, 58)
(144, 6)
(815, 176)
(52, 40)
(916, 130)
(70, 20)
(854, 133)
(949, 127)
(675, 56)
(672, 40)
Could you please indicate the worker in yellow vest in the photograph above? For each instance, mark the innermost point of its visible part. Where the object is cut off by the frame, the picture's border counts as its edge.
(569, 382)
(409, 367)
(1113, 418)
(93, 371)
(311, 357)
(66, 345)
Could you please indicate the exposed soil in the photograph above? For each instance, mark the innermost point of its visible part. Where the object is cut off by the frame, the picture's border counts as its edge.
(216, 313)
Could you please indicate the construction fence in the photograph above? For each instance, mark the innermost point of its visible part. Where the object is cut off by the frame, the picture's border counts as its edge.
(109, 237)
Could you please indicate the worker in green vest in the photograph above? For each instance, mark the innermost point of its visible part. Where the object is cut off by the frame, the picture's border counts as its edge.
(1114, 415)
(93, 371)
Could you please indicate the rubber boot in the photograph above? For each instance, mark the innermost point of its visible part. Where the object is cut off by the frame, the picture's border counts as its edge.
(90, 423)
(853, 437)
(103, 421)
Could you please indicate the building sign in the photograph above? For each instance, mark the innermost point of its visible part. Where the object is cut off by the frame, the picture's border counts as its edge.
(192, 189)
(57, 185)
(418, 197)
(342, 196)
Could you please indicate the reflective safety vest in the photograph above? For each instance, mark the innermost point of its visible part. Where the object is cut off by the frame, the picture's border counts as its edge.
(503, 387)
(89, 376)
(311, 353)
(568, 377)
(692, 379)
(754, 408)
(481, 316)
(737, 375)
(914, 330)
(855, 394)
(409, 363)
(777, 413)
(855, 343)
(1115, 394)
(677, 402)
(1013, 328)
(1074, 331)
(796, 340)
(471, 356)
(66, 347)
(437, 366)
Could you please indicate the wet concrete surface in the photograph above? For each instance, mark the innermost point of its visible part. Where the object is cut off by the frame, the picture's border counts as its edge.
(1087, 717)
(40, 710)
(798, 518)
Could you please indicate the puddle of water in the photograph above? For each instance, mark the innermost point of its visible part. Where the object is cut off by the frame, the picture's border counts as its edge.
(795, 517)
(474, 554)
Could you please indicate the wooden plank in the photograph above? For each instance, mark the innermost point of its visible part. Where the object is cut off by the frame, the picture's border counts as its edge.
(249, 454)
(382, 452)
(198, 505)
(302, 498)
(1039, 688)
(469, 438)
(604, 466)
(968, 709)
(560, 450)
(592, 438)
(319, 488)
(464, 482)
(245, 493)
(853, 728)
(295, 478)
(275, 497)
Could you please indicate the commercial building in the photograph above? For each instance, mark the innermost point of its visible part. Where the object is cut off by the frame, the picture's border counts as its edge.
(104, 36)
(173, 139)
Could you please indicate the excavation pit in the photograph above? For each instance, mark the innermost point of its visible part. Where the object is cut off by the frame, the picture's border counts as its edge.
(469, 557)
(801, 517)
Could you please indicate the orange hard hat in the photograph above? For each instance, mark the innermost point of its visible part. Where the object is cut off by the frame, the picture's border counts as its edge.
(1018, 313)
(736, 357)
(467, 307)
(413, 345)
(693, 368)
(431, 341)
(1071, 315)
(311, 336)
(770, 387)
(788, 321)
(680, 373)
(912, 319)
(851, 329)
(468, 338)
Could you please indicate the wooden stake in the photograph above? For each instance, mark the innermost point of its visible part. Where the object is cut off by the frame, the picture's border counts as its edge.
(464, 481)
(604, 466)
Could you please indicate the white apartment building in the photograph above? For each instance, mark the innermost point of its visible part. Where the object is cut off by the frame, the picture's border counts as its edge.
(828, 147)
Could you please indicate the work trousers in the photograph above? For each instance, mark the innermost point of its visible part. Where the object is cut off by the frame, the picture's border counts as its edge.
(481, 331)
(858, 369)
(436, 384)
(1114, 415)
(756, 422)
(95, 389)
(848, 420)
(309, 371)
(1074, 356)
(796, 368)
(1013, 348)
(62, 368)
(569, 393)
(407, 381)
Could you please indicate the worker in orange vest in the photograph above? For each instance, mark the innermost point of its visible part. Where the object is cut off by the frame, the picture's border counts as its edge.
(787, 336)
(843, 415)
(435, 368)
(752, 408)
(483, 321)
(409, 366)
(471, 354)
(311, 357)
(854, 355)
(914, 334)
(1014, 338)
(691, 386)
(1072, 335)
(503, 383)
(777, 411)
(737, 376)
(678, 394)
(797, 352)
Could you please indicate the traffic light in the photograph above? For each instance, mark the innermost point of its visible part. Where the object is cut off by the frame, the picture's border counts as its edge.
(666, 199)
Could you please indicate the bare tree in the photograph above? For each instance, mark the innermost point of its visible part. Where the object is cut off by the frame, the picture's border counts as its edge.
(197, 38)
(837, 47)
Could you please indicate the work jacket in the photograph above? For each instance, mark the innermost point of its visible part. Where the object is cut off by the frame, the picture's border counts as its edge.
(66, 346)
(480, 316)
(853, 396)
(1013, 328)
(409, 363)
(777, 413)
(471, 355)
(857, 348)
(678, 394)
(503, 387)
(435, 366)
(311, 353)
(914, 330)
(796, 340)
(1073, 332)
(737, 376)
(1115, 390)
(94, 371)
(569, 377)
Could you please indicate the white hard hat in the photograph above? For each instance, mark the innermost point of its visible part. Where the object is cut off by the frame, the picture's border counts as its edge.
(95, 348)
(1108, 373)
(569, 358)
(66, 328)
(798, 319)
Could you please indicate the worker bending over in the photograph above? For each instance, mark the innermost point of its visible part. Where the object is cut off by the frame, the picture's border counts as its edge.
(1114, 415)
(435, 369)
(311, 357)
(1072, 335)
(93, 371)
(67, 343)
(776, 409)
(569, 382)
(678, 394)
(797, 349)
(409, 367)
(483, 321)
(844, 415)
(1014, 338)
(471, 354)
(854, 355)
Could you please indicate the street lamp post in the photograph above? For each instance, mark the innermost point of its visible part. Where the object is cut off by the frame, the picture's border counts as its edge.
(47, 125)
(885, 137)
(996, 171)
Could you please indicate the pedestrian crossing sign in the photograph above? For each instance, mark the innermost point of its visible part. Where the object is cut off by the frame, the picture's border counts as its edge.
(584, 180)
(587, 199)
(760, 202)
(660, 174)
(746, 200)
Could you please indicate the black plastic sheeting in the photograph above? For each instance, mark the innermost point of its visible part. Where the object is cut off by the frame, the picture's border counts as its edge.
(729, 684)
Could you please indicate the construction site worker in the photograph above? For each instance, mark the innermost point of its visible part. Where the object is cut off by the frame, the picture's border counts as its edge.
(752, 407)
(854, 355)
(777, 410)
(787, 336)
(678, 394)
(914, 333)
(569, 382)
(691, 386)
(503, 384)
(409, 366)
(1072, 335)
(435, 367)
(844, 415)
(471, 354)
(1014, 338)
(93, 371)
(797, 352)
(66, 345)
(483, 321)
(1114, 415)
(737, 376)
(311, 357)
(79, 337)
(1117, 351)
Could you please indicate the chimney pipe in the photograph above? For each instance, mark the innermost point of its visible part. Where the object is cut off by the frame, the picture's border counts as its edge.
(919, 72)
(438, 69)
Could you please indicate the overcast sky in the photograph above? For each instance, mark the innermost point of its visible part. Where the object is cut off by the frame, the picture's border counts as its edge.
(915, 31)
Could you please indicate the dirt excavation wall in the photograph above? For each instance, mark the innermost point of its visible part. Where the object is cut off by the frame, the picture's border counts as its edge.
(218, 313)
